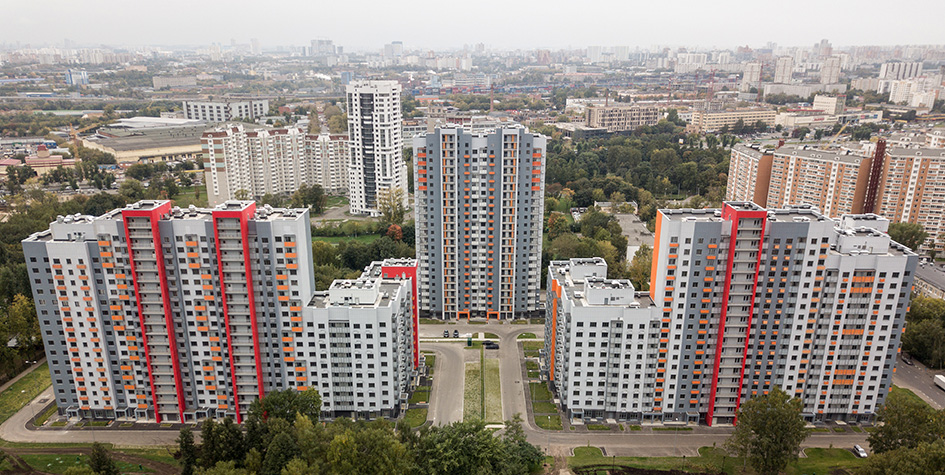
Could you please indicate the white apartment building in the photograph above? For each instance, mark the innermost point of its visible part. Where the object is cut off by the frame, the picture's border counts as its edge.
(741, 300)
(375, 127)
(784, 70)
(900, 70)
(830, 71)
(248, 163)
(751, 77)
(222, 111)
(152, 312)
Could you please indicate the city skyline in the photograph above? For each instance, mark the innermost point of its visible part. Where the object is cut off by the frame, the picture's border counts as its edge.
(734, 23)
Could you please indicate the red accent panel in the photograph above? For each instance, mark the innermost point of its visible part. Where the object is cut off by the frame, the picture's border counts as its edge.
(154, 215)
(751, 313)
(243, 216)
(730, 213)
(410, 272)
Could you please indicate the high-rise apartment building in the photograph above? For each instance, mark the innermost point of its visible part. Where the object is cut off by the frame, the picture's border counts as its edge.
(622, 117)
(152, 312)
(903, 183)
(479, 210)
(742, 300)
(783, 70)
(248, 163)
(900, 70)
(222, 111)
(375, 122)
(912, 189)
(830, 105)
(830, 71)
(751, 77)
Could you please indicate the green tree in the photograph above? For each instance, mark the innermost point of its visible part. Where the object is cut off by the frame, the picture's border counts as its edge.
(281, 450)
(769, 432)
(390, 202)
(187, 451)
(925, 341)
(210, 447)
(100, 462)
(906, 423)
(131, 190)
(911, 235)
(338, 124)
(231, 441)
(224, 468)
(925, 308)
(926, 459)
(324, 253)
(641, 266)
(286, 404)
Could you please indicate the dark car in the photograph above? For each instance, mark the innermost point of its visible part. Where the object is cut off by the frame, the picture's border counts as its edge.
(455, 333)
(446, 333)
(490, 345)
(907, 360)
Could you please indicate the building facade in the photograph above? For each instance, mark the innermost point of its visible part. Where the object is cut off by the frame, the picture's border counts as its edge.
(222, 111)
(622, 118)
(479, 210)
(830, 71)
(742, 300)
(153, 312)
(912, 188)
(707, 121)
(377, 170)
(242, 163)
(784, 70)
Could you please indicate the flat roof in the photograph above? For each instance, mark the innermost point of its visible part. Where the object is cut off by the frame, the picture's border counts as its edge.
(934, 274)
(819, 154)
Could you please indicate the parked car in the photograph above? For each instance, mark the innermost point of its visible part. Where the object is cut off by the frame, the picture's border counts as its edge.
(455, 333)
(859, 451)
(490, 345)
(446, 333)
(907, 360)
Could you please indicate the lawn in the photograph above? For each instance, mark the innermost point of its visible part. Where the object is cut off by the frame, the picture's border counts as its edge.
(544, 408)
(677, 429)
(419, 396)
(549, 422)
(415, 417)
(540, 391)
(533, 374)
(335, 201)
(59, 463)
(12, 400)
(46, 415)
(157, 454)
(425, 321)
(520, 321)
(531, 365)
(598, 427)
(525, 336)
(472, 394)
(908, 394)
(475, 322)
(187, 197)
(533, 345)
(363, 239)
(711, 460)
(490, 335)
(493, 391)
(430, 361)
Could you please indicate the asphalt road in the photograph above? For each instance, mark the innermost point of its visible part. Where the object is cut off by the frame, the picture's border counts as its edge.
(446, 406)
(446, 399)
(918, 379)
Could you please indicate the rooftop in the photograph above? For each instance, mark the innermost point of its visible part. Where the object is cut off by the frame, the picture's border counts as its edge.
(806, 151)
(932, 273)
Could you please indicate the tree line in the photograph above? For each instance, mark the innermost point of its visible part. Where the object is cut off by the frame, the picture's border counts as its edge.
(283, 436)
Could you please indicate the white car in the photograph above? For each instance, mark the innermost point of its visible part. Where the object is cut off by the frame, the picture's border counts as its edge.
(859, 451)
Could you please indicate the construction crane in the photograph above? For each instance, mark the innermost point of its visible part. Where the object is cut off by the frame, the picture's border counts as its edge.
(837, 135)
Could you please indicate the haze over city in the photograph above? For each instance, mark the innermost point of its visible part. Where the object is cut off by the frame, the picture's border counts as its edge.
(503, 25)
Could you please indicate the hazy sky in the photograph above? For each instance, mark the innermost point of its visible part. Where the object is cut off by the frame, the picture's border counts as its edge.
(443, 24)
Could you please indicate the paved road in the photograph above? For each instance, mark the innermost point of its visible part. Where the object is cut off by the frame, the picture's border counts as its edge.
(446, 399)
(918, 379)
(14, 430)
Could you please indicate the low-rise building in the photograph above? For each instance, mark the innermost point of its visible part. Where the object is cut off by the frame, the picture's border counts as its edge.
(930, 280)
(621, 117)
(704, 121)
(222, 111)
